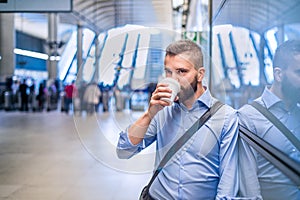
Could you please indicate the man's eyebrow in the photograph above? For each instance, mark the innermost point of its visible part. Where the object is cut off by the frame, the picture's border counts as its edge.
(185, 68)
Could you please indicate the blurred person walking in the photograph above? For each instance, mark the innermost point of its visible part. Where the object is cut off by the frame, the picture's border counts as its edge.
(92, 97)
(70, 92)
(24, 95)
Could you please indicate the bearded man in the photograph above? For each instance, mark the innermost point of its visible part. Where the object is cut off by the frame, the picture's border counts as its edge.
(257, 174)
(206, 167)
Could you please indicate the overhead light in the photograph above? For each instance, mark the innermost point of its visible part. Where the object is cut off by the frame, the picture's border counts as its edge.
(31, 54)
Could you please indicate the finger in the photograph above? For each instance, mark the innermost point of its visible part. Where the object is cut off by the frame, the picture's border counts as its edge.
(162, 85)
(159, 95)
(162, 90)
(159, 102)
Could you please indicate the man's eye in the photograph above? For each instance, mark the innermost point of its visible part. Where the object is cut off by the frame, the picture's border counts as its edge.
(181, 71)
(168, 71)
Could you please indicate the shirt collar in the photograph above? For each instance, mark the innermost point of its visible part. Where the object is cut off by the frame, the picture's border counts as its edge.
(205, 98)
(269, 98)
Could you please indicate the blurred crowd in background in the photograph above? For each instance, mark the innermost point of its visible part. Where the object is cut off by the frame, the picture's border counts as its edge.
(26, 94)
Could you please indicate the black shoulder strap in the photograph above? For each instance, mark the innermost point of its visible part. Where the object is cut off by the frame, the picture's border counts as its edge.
(279, 159)
(185, 137)
(290, 136)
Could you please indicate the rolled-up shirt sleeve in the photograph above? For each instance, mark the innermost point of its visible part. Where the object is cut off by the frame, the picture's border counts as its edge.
(125, 149)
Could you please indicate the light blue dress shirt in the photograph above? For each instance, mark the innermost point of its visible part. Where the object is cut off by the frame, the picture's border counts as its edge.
(206, 167)
(256, 172)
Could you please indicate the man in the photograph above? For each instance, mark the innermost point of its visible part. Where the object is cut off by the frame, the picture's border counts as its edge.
(206, 167)
(282, 99)
(24, 95)
(91, 97)
(70, 93)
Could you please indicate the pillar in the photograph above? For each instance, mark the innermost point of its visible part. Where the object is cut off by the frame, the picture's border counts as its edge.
(7, 44)
(79, 52)
(53, 46)
(280, 34)
(261, 58)
(97, 59)
(210, 42)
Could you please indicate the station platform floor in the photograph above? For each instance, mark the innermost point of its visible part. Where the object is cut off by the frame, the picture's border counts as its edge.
(58, 156)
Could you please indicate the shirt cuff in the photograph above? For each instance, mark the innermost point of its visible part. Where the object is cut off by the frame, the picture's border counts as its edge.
(125, 148)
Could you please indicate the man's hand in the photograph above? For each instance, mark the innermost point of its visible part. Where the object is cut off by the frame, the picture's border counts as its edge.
(156, 104)
(137, 131)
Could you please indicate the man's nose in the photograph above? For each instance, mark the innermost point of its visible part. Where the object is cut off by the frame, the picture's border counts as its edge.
(172, 74)
(175, 76)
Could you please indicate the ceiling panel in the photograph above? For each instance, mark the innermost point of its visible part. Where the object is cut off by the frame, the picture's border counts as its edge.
(257, 15)
(101, 15)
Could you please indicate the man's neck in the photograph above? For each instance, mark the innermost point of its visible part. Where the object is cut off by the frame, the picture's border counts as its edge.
(276, 89)
(190, 102)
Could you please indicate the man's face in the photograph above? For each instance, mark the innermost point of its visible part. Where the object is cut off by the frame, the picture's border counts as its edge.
(291, 81)
(180, 69)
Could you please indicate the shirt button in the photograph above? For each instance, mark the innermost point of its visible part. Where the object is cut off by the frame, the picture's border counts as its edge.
(181, 167)
(180, 185)
(293, 150)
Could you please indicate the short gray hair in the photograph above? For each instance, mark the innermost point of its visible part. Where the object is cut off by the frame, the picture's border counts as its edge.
(284, 54)
(187, 48)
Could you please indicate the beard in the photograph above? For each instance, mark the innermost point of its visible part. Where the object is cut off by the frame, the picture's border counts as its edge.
(290, 91)
(189, 91)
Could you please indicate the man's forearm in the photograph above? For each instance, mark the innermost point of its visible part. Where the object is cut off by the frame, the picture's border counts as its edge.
(136, 131)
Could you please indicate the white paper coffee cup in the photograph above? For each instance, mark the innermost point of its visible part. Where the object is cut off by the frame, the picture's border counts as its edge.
(174, 86)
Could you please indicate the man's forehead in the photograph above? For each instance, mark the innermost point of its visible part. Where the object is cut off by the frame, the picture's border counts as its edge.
(182, 56)
(294, 63)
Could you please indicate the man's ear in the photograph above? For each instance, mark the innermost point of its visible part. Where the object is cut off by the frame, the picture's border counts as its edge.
(201, 72)
(277, 74)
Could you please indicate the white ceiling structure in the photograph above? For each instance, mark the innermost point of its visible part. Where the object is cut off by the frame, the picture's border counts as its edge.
(101, 15)
(256, 15)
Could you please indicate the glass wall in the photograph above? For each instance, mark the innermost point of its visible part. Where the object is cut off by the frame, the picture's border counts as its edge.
(245, 36)
(243, 47)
